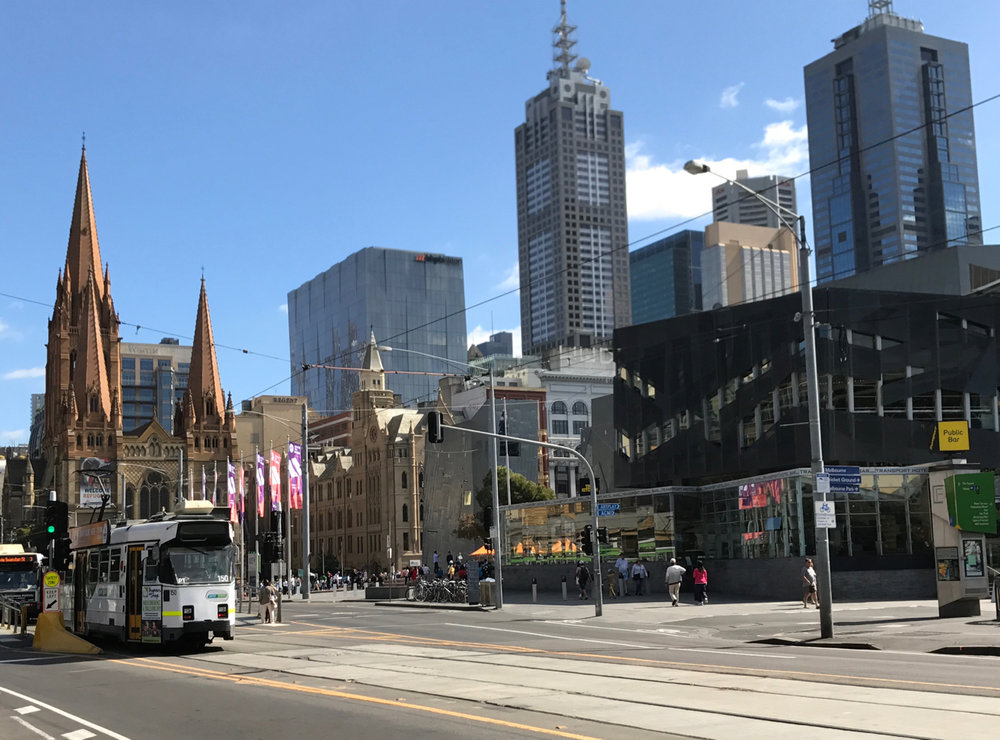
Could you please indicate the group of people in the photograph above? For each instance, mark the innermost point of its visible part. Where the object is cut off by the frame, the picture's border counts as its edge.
(631, 577)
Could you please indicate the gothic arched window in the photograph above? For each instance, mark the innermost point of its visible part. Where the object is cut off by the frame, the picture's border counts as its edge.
(406, 513)
(403, 481)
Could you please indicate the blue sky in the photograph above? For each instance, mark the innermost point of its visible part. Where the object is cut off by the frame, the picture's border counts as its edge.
(263, 142)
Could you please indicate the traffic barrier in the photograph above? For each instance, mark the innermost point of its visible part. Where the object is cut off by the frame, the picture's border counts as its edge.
(51, 636)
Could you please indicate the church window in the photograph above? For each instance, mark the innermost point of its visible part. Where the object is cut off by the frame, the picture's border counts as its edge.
(404, 481)
(90, 440)
(109, 440)
(93, 403)
(196, 442)
(79, 440)
(406, 513)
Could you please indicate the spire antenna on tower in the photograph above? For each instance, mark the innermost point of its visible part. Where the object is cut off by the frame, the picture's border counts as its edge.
(562, 43)
(84, 141)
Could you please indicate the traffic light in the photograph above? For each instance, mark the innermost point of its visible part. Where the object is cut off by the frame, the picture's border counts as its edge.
(487, 519)
(62, 555)
(51, 516)
(488, 543)
(586, 542)
(435, 433)
(602, 535)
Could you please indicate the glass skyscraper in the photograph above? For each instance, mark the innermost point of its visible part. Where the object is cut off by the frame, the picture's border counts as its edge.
(893, 163)
(154, 378)
(410, 300)
(666, 277)
(572, 225)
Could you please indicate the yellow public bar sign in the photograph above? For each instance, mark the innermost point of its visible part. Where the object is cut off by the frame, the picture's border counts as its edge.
(953, 436)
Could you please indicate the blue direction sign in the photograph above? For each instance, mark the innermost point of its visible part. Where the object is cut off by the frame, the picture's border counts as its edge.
(844, 478)
(608, 509)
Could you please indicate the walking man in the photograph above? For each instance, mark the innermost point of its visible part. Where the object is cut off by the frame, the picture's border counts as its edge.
(674, 575)
(621, 565)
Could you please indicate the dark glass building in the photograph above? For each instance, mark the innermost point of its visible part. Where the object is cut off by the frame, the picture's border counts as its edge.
(721, 395)
(894, 163)
(666, 277)
(412, 301)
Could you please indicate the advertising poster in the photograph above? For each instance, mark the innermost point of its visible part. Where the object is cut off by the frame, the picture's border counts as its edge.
(151, 615)
(972, 557)
(947, 564)
(95, 480)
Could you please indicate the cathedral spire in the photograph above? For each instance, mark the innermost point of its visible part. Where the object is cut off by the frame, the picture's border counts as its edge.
(372, 371)
(83, 253)
(203, 380)
(91, 373)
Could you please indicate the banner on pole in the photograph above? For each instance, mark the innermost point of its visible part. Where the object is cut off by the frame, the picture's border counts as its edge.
(231, 490)
(294, 476)
(260, 485)
(275, 480)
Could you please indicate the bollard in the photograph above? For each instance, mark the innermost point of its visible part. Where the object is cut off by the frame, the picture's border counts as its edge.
(564, 588)
(534, 590)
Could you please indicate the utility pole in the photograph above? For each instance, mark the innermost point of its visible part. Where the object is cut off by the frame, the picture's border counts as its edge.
(305, 502)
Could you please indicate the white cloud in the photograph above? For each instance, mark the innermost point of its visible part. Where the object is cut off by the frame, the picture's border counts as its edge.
(783, 106)
(14, 436)
(30, 372)
(728, 98)
(665, 191)
(283, 308)
(4, 328)
(511, 280)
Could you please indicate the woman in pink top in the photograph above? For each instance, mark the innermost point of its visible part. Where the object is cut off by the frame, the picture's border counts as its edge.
(700, 584)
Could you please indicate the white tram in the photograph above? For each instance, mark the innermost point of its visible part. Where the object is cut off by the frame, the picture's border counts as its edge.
(169, 579)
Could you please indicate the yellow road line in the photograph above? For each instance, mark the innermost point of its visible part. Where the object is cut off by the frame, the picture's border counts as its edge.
(360, 634)
(268, 683)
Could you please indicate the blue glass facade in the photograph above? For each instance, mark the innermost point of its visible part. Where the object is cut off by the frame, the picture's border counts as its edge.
(666, 277)
(154, 378)
(894, 168)
(411, 300)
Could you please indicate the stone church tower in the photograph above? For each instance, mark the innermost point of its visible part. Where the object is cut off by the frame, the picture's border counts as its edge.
(141, 470)
(83, 424)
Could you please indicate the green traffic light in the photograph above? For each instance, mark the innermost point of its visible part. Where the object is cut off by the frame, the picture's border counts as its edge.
(52, 529)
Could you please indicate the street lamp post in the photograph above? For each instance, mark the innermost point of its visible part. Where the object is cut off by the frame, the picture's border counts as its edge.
(497, 559)
(809, 330)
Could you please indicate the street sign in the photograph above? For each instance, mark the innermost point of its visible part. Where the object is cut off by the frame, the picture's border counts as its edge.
(822, 482)
(50, 602)
(844, 478)
(608, 509)
(826, 514)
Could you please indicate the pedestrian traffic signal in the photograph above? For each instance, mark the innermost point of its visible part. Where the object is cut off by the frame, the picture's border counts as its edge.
(602, 535)
(435, 433)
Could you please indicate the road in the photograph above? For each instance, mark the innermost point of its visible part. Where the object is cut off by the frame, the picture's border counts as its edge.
(362, 670)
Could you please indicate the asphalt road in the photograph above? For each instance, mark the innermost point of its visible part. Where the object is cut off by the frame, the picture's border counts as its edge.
(361, 670)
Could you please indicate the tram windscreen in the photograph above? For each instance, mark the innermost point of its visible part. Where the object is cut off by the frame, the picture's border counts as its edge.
(189, 564)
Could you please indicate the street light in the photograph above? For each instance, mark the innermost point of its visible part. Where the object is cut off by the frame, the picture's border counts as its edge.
(497, 559)
(808, 327)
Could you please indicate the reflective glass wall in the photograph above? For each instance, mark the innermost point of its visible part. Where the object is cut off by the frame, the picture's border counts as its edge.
(761, 517)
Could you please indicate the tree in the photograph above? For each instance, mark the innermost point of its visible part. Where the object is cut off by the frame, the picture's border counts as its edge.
(522, 490)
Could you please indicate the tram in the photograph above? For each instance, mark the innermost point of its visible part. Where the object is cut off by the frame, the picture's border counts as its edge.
(169, 579)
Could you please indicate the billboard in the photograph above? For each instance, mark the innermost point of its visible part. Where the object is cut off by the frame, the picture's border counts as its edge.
(96, 479)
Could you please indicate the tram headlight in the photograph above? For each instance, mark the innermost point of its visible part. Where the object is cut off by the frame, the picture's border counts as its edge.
(188, 613)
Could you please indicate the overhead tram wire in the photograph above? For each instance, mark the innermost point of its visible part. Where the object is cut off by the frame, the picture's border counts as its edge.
(626, 246)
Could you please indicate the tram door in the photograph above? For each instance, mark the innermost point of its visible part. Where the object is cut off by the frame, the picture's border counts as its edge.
(133, 592)
(80, 593)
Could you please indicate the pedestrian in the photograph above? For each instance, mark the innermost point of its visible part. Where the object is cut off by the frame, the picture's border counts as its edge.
(809, 585)
(448, 558)
(265, 601)
(435, 560)
(673, 578)
(621, 565)
(582, 579)
(700, 583)
(638, 576)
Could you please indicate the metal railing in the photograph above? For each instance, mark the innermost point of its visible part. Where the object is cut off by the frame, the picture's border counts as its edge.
(13, 615)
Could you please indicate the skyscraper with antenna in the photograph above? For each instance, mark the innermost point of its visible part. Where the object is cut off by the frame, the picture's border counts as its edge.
(572, 227)
(892, 146)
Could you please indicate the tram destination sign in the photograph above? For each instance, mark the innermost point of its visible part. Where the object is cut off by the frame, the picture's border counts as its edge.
(844, 478)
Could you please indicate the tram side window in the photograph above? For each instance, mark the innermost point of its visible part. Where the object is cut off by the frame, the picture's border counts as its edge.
(149, 576)
(116, 565)
(105, 560)
(92, 571)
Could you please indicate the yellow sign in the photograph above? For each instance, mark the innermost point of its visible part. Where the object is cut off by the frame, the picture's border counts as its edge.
(51, 579)
(953, 435)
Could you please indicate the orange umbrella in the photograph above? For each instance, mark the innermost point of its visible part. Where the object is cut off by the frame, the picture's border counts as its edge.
(481, 551)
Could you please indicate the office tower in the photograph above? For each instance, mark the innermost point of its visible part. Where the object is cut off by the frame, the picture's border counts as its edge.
(501, 343)
(154, 378)
(893, 161)
(734, 204)
(667, 277)
(747, 263)
(414, 302)
(572, 229)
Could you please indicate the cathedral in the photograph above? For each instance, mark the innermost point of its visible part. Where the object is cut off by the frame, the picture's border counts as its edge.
(89, 460)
